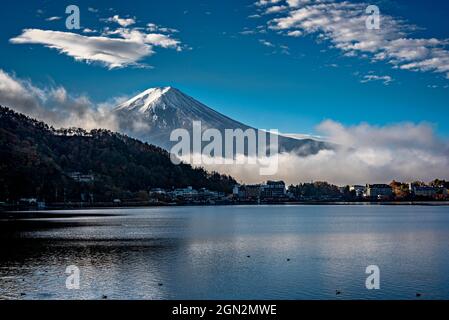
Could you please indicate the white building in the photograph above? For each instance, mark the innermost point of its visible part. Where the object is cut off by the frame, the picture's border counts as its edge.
(359, 190)
(188, 192)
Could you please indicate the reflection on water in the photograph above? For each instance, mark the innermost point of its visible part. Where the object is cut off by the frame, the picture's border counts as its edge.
(241, 252)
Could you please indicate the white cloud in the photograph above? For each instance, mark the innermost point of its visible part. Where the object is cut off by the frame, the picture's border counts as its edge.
(266, 43)
(53, 18)
(137, 36)
(275, 9)
(152, 27)
(295, 33)
(344, 25)
(115, 48)
(297, 3)
(372, 77)
(124, 22)
(367, 154)
(60, 109)
(247, 32)
(88, 30)
(112, 52)
(262, 3)
(55, 105)
(161, 41)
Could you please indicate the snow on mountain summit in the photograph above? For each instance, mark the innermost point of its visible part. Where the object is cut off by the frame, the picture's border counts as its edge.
(168, 107)
(145, 100)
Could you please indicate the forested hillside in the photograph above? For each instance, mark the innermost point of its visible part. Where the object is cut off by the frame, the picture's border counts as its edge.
(36, 161)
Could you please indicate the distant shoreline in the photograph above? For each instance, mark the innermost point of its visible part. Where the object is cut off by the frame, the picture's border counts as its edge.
(37, 212)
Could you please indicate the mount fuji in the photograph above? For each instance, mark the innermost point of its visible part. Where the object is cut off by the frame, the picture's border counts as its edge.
(152, 115)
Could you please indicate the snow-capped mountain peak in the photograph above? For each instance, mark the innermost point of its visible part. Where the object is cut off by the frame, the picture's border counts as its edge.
(146, 100)
(155, 113)
(168, 107)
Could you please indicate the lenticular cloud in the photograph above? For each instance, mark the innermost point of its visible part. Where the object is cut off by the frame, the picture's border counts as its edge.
(116, 48)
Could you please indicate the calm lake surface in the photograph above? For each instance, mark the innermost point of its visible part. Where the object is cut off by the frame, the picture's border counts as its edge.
(202, 253)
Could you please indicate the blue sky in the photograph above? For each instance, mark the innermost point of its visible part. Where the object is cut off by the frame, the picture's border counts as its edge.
(267, 80)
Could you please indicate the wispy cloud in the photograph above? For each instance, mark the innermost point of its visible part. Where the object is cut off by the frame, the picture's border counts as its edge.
(372, 77)
(275, 9)
(262, 3)
(266, 43)
(55, 18)
(152, 27)
(344, 25)
(247, 32)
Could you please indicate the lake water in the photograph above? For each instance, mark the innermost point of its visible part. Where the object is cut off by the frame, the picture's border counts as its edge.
(229, 252)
